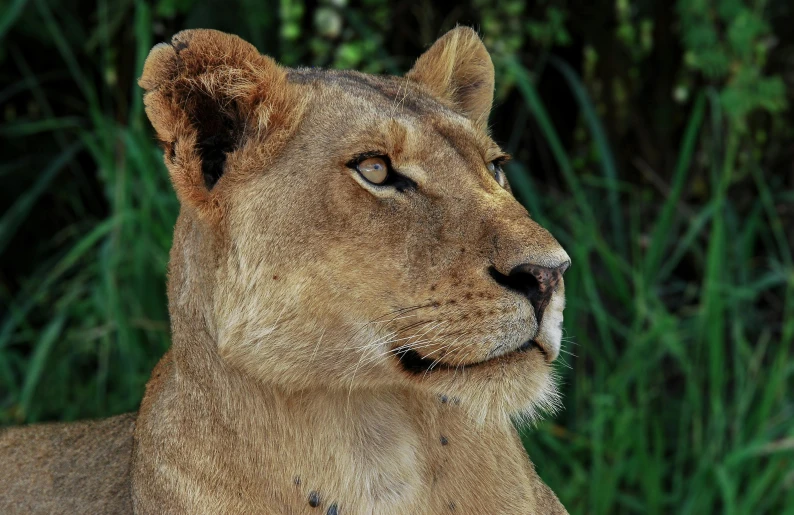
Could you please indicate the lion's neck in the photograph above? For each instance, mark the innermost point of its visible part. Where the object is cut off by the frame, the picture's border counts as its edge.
(209, 434)
(208, 416)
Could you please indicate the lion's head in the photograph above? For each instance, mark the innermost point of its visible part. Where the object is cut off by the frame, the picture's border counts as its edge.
(350, 231)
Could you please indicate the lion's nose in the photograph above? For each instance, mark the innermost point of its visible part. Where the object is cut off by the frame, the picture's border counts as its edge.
(535, 282)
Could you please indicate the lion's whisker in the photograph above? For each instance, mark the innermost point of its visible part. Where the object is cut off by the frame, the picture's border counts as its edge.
(317, 346)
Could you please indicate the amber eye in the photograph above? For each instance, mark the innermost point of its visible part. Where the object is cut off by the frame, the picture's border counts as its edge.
(374, 169)
(496, 171)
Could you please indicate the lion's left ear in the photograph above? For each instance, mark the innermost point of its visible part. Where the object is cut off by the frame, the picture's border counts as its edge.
(458, 69)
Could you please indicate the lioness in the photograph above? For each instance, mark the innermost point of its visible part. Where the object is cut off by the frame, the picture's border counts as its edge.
(359, 306)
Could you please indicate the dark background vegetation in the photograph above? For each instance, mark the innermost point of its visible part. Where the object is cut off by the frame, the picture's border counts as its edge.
(654, 138)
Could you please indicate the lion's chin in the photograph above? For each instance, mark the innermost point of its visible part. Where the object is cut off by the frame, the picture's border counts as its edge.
(518, 387)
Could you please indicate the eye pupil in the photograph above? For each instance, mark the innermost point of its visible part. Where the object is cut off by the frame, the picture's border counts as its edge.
(374, 169)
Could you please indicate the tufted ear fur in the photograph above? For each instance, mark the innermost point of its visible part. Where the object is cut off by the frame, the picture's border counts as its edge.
(220, 110)
(458, 69)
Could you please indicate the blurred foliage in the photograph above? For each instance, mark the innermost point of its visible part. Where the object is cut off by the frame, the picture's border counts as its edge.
(654, 139)
(729, 43)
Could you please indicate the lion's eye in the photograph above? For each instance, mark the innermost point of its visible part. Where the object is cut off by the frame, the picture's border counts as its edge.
(377, 170)
(374, 169)
(497, 172)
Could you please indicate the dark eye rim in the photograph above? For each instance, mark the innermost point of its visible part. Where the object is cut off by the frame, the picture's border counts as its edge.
(393, 178)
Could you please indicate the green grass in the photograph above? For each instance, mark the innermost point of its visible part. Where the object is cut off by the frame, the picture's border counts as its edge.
(680, 318)
(81, 335)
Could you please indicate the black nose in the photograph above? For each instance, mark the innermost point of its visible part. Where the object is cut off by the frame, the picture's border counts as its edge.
(535, 282)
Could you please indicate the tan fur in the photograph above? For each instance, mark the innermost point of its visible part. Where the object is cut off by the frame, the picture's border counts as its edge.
(83, 467)
(293, 280)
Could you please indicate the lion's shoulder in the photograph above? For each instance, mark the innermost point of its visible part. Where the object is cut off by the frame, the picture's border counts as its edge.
(80, 467)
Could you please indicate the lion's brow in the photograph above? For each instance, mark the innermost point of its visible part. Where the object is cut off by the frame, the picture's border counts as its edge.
(458, 139)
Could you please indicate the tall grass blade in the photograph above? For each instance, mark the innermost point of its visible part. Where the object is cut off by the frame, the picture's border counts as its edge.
(16, 214)
(10, 15)
(30, 296)
(43, 348)
(606, 158)
(662, 231)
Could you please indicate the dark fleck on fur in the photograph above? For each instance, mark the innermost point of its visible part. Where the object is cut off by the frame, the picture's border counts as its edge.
(444, 440)
(332, 510)
(314, 499)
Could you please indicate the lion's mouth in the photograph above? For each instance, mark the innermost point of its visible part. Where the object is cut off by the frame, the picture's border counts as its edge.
(414, 363)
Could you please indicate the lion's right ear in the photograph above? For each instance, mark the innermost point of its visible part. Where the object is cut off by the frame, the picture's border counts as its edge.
(212, 98)
(458, 69)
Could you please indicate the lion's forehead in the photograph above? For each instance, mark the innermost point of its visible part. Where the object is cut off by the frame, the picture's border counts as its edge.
(356, 110)
(381, 90)
(385, 96)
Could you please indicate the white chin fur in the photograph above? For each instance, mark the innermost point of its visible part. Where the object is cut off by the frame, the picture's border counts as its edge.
(521, 393)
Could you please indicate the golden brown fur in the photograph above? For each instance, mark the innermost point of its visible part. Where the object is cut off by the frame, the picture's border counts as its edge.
(293, 281)
(83, 467)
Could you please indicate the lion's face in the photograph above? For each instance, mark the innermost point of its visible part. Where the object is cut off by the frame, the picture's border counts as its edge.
(381, 245)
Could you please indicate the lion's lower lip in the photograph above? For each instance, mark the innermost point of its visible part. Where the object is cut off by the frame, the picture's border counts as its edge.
(415, 363)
